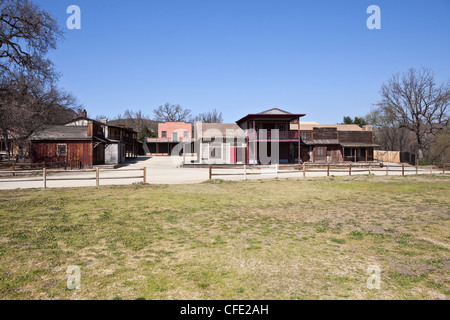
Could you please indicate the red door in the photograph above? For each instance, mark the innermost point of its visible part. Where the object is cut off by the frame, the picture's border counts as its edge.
(233, 154)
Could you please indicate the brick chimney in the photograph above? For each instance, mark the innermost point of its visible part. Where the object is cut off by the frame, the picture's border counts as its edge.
(82, 113)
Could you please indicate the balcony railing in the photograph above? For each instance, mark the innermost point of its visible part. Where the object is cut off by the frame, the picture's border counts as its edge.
(269, 135)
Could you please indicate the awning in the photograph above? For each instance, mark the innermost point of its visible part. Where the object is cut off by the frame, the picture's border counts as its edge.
(103, 140)
(321, 142)
(359, 145)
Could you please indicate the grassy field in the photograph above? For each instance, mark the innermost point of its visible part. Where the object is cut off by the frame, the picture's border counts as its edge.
(279, 239)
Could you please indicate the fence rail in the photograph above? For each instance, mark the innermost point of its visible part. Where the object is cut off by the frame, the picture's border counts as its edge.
(325, 168)
(15, 166)
(97, 176)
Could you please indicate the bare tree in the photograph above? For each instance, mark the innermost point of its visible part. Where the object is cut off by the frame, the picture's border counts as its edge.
(417, 103)
(29, 97)
(26, 103)
(172, 113)
(27, 33)
(212, 116)
(136, 120)
(389, 135)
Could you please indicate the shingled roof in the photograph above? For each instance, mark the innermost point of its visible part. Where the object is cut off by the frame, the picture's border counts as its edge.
(61, 133)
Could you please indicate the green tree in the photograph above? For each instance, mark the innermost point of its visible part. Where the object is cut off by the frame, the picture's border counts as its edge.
(146, 133)
(360, 121)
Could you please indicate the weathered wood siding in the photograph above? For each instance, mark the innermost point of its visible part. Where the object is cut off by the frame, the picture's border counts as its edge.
(325, 133)
(356, 136)
(47, 151)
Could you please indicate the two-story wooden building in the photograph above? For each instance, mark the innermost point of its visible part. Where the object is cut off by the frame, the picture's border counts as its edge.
(255, 135)
(83, 141)
(336, 143)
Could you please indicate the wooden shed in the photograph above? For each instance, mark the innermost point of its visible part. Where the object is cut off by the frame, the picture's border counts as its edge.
(71, 144)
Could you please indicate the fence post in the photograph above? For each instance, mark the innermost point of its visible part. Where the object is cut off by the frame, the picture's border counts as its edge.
(210, 172)
(387, 170)
(245, 172)
(443, 168)
(403, 169)
(44, 177)
(350, 170)
(304, 170)
(370, 169)
(276, 169)
(14, 168)
(71, 165)
(431, 169)
(97, 176)
(417, 169)
(328, 170)
(145, 175)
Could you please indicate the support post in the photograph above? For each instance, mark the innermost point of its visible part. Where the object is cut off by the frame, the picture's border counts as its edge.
(44, 177)
(145, 175)
(14, 168)
(97, 176)
(304, 170)
(417, 169)
(403, 169)
(443, 169)
(350, 170)
(328, 170)
(387, 170)
(245, 172)
(370, 168)
(210, 173)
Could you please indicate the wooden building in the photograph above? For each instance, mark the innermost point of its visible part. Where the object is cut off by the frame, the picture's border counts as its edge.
(241, 142)
(307, 142)
(71, 144)
(122, 144)
(336, 143)
(83, 141)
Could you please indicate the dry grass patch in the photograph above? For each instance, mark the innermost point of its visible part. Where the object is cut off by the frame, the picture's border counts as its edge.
(280, 239)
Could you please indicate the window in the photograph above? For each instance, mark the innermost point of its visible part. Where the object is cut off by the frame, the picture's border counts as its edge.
(164, 134)
(321, 152)
(215, 151)
(175, 136)
(348, 152)
(282, 127)
(185, 134)
(62, 150)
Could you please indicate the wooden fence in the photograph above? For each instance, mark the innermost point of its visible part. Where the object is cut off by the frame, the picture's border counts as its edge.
(329, 169)
(45, 175)
(13, 166)
(386, 156)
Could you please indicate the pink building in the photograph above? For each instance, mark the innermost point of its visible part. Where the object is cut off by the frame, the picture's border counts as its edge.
(169, 135)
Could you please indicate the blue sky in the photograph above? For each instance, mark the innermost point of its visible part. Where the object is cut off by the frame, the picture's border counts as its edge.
(245, 56)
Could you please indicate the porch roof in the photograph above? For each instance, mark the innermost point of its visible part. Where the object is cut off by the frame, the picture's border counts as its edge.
(359, 145)
(321, 142)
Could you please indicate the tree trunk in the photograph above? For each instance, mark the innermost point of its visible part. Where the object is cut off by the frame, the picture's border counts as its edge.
(6, 140)
(419, 147)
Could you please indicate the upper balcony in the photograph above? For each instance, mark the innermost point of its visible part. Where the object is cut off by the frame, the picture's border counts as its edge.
(261, 135)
